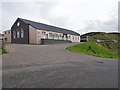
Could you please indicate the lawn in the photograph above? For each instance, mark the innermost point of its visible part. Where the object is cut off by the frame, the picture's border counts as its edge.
(93, 48)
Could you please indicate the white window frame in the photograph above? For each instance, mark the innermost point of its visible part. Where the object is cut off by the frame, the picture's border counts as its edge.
(22, 33)
(18, 34)
(50, 35)
(73, 38)
(56, 36)
(18, 23)
(43, 34)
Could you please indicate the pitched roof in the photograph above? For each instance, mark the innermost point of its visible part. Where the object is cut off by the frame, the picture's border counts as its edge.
(46, 27)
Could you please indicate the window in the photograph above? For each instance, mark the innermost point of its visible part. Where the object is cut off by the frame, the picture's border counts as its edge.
(14, 34)
(60, 35)
(73, 37)
(51, 36)
(47, 36)
(18, 24)
(69, 37)
(22, 33)
(5, 39)
(56, 36)
(8, 32)
(65, 36)
(18, 34)
(44, 34)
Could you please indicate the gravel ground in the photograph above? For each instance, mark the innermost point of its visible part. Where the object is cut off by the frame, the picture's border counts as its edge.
(50, 66)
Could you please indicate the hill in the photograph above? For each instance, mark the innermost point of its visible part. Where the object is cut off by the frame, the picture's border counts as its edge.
(110, 41)
(93, 48)
(101, 36)
(100, 43)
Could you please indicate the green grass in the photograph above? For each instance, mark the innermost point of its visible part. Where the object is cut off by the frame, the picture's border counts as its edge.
(2, 50)
(104, 36)
(96, 50)
(101, 35)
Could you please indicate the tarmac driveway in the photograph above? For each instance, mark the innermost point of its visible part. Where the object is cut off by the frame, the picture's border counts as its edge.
(50, 66)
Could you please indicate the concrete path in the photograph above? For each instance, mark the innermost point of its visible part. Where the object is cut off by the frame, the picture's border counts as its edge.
(50, 66)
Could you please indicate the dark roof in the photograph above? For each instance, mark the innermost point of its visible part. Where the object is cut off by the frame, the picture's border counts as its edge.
(42, 26)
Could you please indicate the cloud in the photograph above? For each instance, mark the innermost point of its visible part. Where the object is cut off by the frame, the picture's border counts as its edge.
(110, 25)
(79, 15)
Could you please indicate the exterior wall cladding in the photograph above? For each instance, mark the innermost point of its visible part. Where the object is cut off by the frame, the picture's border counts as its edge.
(33, 35)
(25, 27)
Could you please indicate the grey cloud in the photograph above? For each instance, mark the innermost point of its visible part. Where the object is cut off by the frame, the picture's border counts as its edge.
(46, 8)
(43, 11)
(98, 26)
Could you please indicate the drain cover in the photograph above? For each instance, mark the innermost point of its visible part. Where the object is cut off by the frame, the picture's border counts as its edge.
(99, 62)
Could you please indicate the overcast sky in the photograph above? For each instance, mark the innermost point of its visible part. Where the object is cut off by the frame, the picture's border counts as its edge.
(81, 16)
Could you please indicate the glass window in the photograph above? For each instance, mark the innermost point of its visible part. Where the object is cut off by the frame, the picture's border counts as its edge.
(18, 34)
(60, 35)
(51, 35)
(47, 36)
(44, 34)
(18, 24)
(14, 34)
(56, 35)
(68, 36)
(22, 33)
(73, 37)
(8, 32)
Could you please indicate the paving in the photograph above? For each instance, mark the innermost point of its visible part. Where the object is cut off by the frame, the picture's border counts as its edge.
(51, 66)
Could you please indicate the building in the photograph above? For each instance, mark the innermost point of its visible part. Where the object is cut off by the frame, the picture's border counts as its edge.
(1, 36)
(29, 32)
(7, 36)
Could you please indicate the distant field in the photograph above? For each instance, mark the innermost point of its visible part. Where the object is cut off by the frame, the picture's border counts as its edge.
(95, 49)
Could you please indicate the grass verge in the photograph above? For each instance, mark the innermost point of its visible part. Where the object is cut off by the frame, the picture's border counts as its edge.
(2, 50)
(93, 48)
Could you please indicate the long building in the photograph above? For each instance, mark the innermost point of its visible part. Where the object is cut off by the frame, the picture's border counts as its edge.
(29, 32)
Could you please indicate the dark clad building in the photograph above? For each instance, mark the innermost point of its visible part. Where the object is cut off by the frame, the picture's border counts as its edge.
(29, 32)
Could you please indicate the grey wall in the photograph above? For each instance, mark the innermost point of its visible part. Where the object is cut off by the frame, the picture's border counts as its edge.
(25, 27)
(52, 41)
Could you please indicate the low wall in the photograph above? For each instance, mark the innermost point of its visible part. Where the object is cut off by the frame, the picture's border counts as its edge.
(53, 41)
(83, 40)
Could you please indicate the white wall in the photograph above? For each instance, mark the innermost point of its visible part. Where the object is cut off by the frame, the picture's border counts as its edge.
(46, 35)
(7, 36)
(72, 38)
